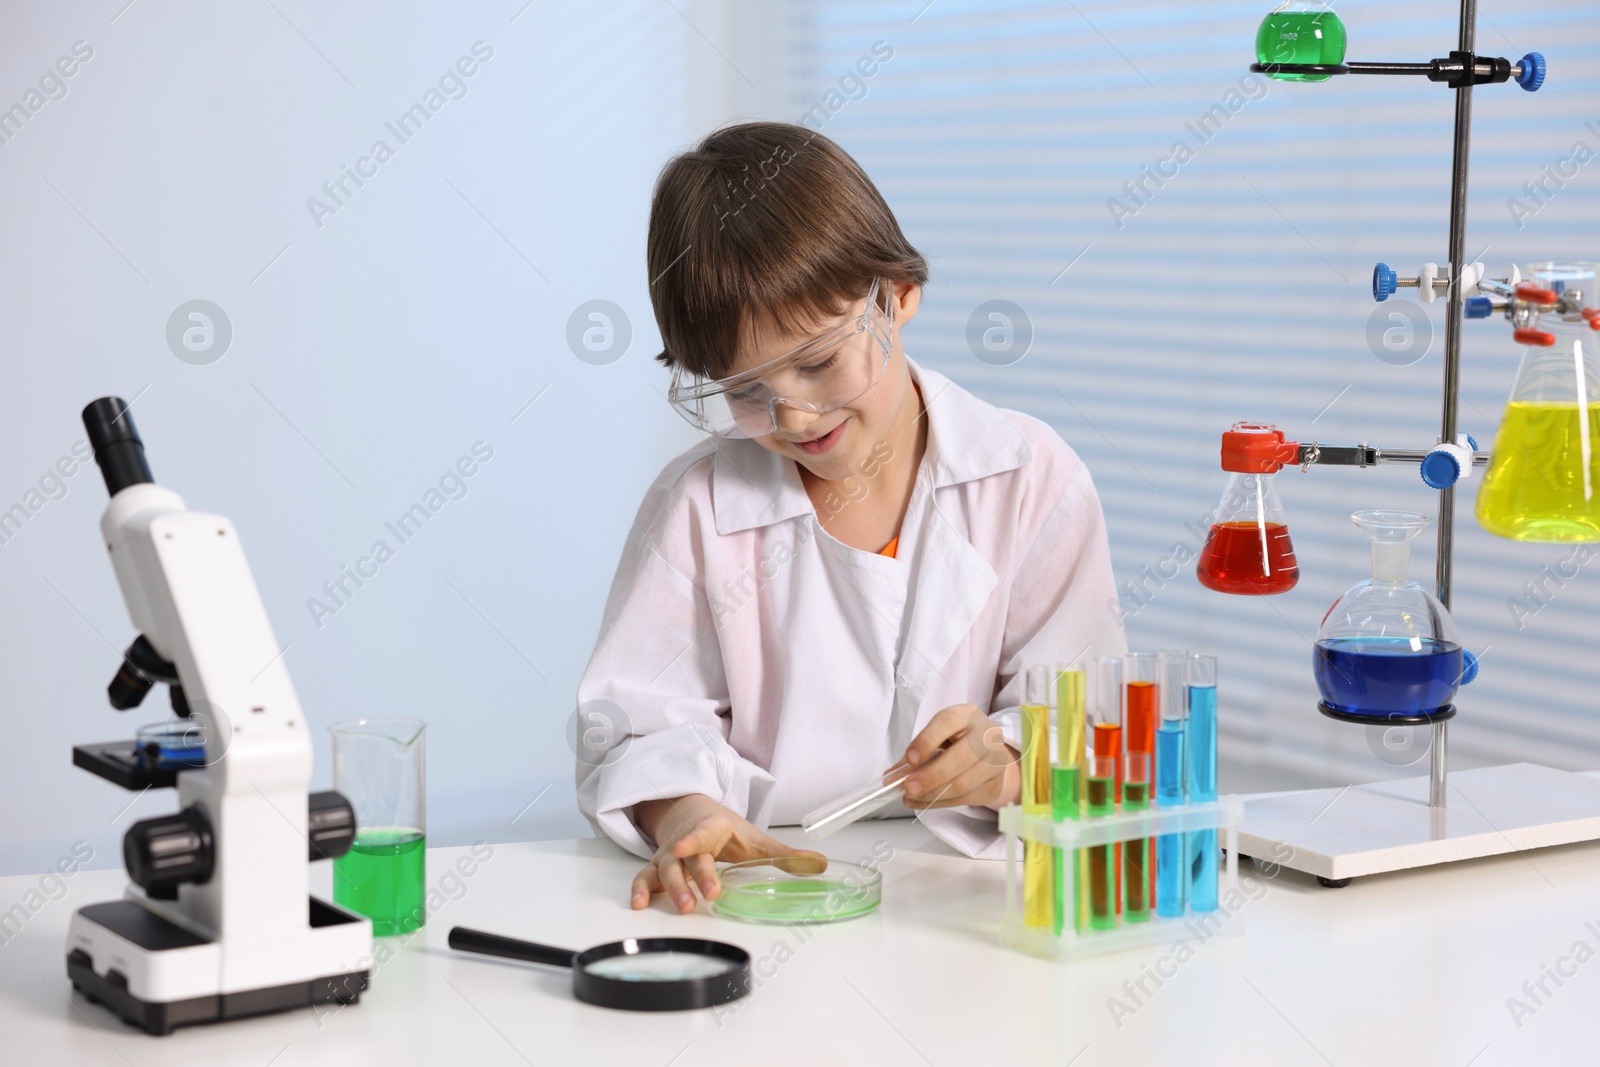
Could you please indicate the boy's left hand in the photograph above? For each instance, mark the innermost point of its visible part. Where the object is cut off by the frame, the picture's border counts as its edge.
(975, 767)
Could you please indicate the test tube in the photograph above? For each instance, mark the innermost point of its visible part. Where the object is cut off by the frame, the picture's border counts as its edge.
(1136, 854)
(1171, 874)
(1139, 735)
(1101, 799)
(1066, 791)
(858, 803)
(1038, 897)
(1106, 741)
(1106, 737)
(1201, 845)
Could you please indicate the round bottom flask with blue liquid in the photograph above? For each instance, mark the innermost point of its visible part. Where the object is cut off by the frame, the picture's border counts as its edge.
(1387, 650)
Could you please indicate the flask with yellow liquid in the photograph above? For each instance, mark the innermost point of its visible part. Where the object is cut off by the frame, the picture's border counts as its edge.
(1543, 483)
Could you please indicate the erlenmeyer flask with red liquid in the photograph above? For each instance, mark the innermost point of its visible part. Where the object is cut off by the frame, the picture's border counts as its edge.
(1248, 551)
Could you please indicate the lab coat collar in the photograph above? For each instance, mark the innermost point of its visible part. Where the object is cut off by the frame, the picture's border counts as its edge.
(967, 439)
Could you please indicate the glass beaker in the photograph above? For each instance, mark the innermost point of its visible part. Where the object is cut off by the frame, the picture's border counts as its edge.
(1542, 479)
(1248, 551)
(1387, 648)
(1301, 31)
(378, 766)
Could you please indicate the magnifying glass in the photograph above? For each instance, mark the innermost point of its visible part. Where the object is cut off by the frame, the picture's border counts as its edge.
(636, 973)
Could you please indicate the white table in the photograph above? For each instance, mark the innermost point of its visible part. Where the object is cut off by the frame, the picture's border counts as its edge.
(1411, 968)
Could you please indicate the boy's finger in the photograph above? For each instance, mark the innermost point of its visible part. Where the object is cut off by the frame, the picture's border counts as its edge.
(704, 871)
(645, 883)
(675, 884)
(940, 770)
(978, 777)
(976, 797)
(943, 726)
(932, 798)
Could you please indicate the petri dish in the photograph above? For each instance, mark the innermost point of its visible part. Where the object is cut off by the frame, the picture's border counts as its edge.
(791, 890)
(174, 743)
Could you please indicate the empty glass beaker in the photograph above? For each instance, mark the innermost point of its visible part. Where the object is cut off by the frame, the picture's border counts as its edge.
(1542, 480)
(378, 766)
(1248, 551)
(1302, 31)
(1387, 648)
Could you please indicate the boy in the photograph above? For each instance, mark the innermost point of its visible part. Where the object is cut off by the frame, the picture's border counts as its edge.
(858, 562)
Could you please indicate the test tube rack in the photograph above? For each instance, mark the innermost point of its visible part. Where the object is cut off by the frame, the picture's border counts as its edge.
(1224, 815)
(1338, 834)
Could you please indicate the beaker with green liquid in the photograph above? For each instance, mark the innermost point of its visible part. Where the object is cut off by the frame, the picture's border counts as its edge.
(378, 766)
(1543, 481)
(1302, 31)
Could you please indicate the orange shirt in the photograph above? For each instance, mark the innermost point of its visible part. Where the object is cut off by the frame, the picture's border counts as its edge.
(889, 549)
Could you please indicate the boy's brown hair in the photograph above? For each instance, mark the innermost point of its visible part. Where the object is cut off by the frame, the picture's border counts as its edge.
(764, 221)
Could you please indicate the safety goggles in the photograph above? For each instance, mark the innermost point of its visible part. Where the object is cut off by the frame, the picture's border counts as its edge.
(822, 375)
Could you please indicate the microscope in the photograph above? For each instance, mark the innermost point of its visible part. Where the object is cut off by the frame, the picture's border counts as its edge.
(219, 922)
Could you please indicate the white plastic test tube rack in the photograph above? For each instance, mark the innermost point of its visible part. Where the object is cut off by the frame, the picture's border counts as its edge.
(1223, 815)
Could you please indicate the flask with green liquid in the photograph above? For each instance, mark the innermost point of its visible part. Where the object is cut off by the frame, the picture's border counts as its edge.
(1301, 31)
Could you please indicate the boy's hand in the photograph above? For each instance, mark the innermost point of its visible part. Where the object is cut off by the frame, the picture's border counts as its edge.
(976, 766)
(692, 834)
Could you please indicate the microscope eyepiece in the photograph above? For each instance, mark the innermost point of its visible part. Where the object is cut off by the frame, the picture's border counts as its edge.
(116, 444)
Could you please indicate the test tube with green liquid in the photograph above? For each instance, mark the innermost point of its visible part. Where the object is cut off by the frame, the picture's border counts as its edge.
(1100, 795)
(1038, 896)
(1066, 797)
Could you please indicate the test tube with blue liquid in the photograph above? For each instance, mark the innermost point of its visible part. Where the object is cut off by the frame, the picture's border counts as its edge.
(1171, 871)
(1200, 846)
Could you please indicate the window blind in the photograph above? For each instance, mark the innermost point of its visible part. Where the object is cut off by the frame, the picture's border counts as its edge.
(1031, 151)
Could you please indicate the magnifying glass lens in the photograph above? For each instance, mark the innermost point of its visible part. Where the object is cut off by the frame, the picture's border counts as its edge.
(659, 967)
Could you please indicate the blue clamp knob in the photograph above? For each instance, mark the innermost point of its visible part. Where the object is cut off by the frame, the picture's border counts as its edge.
(1532, 75)
(1472, 442)
(1383, 282)
(1478, 307)
(1469, 667)
(1440, 470)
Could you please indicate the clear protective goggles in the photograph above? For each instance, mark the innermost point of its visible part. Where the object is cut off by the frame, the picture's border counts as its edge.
(822, 375)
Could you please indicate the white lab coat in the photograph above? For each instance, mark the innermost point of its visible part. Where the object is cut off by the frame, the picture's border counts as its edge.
(748, 655)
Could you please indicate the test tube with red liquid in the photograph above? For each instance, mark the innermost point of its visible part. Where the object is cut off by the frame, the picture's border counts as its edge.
(1105, 748)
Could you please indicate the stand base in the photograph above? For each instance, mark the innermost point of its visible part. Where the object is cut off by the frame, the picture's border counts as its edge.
(159, 976)
(1338, 834)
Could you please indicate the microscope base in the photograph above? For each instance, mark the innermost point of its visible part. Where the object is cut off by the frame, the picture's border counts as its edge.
(159, 976)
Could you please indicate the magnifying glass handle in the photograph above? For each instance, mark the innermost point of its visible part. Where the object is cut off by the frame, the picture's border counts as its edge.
(465, 940)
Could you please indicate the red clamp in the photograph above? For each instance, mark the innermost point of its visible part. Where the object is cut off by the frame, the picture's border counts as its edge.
(1532, 294)
(1533, 337)
(1256, 448)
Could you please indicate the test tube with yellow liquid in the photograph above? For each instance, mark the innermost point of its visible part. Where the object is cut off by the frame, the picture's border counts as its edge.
(1066, 793)
(1038, 863)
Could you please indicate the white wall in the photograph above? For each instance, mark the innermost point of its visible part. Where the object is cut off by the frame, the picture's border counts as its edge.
(368, 353)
